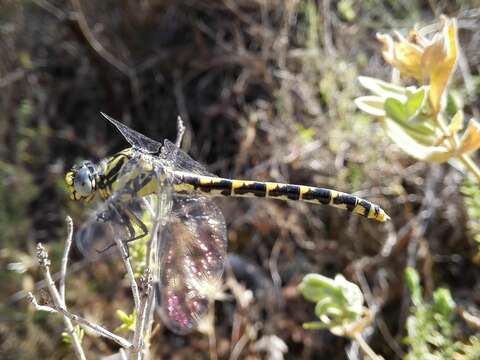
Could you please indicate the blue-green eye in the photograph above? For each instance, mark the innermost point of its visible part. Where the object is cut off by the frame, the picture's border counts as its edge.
(83, 182)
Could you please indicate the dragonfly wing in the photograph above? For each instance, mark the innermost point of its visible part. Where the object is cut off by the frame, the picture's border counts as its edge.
(111, 220)
(137, 140)
(126, 214)
(192, 251)
(179, 160)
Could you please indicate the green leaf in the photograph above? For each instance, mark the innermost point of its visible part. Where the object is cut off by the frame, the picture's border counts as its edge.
(415, 102)
(405, 112)
(413, 283)
(314, 287)
(443, 302)
(339, 301)
(128, 321)
(372, 105)
(454, 101)
(412, 147)
(382, 88)
(306, 134)
(396, 110)
(314, 325)
(421, 136)
(78, 331)
(345, 8)
(123, 316)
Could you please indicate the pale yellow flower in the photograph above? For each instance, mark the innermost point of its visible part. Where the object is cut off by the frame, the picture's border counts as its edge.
(429, 61)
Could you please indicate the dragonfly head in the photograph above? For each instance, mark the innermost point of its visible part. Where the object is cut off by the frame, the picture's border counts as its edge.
(82, 181)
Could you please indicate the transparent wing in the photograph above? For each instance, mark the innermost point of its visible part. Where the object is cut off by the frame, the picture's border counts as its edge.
(192, 251)
(125, 214)
(179, 160)
(111, 220)
(137, 140)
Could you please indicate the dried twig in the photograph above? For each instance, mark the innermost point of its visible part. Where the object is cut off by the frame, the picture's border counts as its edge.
(471, 320)
(99, 330)
(180, 131)
(66, 252)
(122, 248)
(52, 9)
(58, 297)
(44, 261)
(138, 338)
(95, 44)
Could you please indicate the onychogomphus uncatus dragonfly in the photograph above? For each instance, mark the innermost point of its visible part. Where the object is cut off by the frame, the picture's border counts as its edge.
(192, 248)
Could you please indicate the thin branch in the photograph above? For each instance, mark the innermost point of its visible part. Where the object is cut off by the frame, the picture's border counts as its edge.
(39, 307)
(180, 100)
(468, 162)
(374, 307)
(212, 338)
(138, 338)
(95, 44)
(239, 346)
(471, 320)
(74, 267)
(44, 261)
(366, 348)
(66, 252)
(52, 9)
(97, 329)
(128, 266)
(180, 131)
(122, 353)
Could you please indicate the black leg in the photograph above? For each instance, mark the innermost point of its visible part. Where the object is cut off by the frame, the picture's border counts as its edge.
(125, 218)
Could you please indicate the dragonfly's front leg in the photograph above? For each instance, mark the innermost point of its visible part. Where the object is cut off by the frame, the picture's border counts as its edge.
(132, 218)
(127, 218)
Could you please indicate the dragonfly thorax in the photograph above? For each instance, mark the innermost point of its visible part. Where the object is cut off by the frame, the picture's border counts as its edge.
(82, 181)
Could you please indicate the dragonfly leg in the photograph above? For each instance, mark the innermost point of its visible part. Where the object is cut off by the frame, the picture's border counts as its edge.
(132, 218)
(125, 218)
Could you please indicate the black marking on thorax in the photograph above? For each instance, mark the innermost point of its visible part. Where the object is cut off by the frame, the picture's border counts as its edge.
(112, 173)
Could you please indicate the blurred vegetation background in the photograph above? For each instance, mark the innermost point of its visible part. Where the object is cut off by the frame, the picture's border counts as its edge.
(266, 90)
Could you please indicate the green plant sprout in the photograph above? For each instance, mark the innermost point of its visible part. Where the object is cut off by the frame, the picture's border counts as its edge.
(129, 321)
(430, 329)
(471, 198)
(79, 333)
(416, 117)
(339, 307)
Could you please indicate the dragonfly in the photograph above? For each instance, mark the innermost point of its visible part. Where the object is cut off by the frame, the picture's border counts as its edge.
(192, 246)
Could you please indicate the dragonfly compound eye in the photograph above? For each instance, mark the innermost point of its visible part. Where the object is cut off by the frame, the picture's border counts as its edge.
(84, 181)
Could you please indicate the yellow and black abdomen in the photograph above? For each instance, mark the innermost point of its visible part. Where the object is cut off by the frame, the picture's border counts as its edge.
(215, 186)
